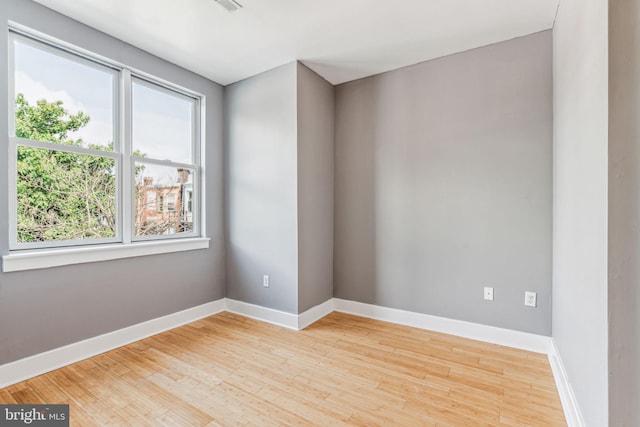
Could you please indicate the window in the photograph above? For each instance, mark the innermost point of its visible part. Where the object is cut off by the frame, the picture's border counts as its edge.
(171, 202)
(150, 203)
(66, 168)
(162, 143)
(96, 149)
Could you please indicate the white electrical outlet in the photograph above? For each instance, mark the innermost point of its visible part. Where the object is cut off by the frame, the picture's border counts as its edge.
(265, 280)
(488, 294)
(530, 299)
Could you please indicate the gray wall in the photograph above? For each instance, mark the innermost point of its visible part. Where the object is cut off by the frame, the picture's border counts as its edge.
(443, 186)
(279, 188)
(580, 201)
(45, 309)
(624, 213)
(261, 189)
(315, 189)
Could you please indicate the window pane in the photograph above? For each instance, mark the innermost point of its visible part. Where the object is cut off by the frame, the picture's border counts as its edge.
(162, 123)
(163, 200)
(64, 196)
(61, 100)
(171, 202)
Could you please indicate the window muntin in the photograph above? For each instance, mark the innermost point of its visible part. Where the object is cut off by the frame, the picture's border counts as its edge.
(106, 145)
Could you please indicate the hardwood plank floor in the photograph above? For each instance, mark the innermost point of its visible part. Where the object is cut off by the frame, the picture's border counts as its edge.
(342, 370)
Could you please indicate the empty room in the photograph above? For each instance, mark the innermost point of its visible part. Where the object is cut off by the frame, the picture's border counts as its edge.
(354, 212)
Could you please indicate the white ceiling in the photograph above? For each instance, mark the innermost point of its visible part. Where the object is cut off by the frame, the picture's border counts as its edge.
(342, 40)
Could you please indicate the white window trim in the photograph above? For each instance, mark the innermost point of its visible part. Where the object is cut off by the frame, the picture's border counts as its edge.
(46, 258)
(127, 244)
(197, 164)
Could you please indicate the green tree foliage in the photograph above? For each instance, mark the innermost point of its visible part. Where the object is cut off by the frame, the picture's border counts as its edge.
(61, 195)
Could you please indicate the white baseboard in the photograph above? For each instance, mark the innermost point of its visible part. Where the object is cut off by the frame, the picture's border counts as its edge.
(315, 313)
(264, 314)
(291, 321)
(491, 334)
(567, 397)
(38, 364)
(29, 367)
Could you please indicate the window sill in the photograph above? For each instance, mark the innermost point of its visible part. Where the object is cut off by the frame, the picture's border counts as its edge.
(45, 258)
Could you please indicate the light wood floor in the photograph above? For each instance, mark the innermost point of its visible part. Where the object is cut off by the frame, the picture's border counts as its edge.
(342, 370)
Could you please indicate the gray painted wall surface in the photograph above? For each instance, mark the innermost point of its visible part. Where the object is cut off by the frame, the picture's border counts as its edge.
(624, 213)
(580, 201)
(261, 189)
(315, 189)
(443, 186)
(45, 309)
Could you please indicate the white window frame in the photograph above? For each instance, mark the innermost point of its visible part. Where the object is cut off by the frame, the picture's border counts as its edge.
(24, 253)
(195, 158)
(15, 142)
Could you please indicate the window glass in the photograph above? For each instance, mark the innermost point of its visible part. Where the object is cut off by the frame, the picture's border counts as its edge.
(162, 123)
(173, 187)
(64, 196)
(50, 85)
